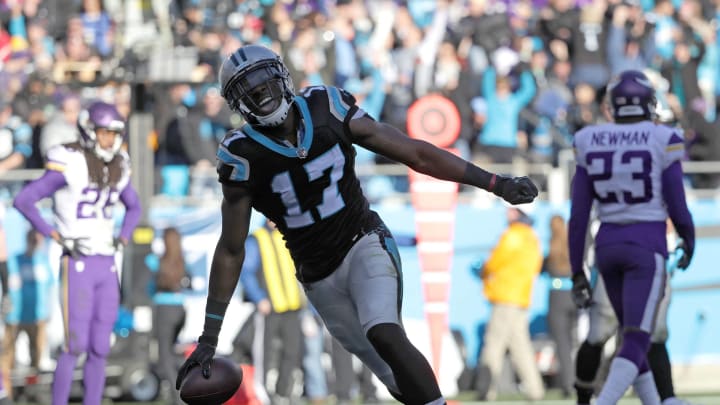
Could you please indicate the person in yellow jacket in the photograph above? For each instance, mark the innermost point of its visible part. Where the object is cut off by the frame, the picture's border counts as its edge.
(508, 276)
(268, 280)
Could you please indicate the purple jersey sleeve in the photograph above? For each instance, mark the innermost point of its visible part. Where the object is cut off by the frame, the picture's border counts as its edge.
(133, 210)
(27, 198)
(674, 196)
(582, 198)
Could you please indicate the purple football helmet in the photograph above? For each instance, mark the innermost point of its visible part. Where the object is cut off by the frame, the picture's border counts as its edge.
(631, 94)
(101, 115)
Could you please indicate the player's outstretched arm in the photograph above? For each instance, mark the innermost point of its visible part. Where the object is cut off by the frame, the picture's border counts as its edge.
(425, 158)
(224, 274)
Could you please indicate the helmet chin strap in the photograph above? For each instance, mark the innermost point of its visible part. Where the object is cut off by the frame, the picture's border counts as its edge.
(108, 155)
(276, 117)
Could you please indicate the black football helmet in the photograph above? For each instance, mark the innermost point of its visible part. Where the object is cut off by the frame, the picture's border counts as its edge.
(255, 82)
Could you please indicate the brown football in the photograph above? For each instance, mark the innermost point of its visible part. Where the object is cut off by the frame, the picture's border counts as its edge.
(224, 381)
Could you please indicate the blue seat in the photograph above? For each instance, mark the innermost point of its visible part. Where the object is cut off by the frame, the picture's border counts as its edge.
(175, 180)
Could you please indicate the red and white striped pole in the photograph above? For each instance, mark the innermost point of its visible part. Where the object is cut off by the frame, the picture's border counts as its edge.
(435, 119)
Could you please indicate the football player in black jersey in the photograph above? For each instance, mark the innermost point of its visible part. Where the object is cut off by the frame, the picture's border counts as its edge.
(294, 162)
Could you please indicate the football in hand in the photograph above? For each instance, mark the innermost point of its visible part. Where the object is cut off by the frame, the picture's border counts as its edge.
(225, 379)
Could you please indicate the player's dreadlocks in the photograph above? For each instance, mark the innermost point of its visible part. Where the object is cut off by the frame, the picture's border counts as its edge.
(101, 173)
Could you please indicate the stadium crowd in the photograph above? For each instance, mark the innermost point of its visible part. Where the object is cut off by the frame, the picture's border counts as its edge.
(524, 75)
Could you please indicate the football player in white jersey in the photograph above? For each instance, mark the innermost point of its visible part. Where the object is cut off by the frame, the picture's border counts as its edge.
(86, 180)
(632, 169)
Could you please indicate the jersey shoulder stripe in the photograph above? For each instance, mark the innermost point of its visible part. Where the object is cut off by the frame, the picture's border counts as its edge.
(240, 166)
(60, 157)
(338, 107)
(675, 142)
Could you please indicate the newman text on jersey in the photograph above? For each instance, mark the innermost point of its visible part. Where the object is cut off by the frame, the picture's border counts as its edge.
(609, 138)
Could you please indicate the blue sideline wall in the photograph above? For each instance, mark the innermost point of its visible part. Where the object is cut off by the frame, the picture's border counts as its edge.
(694, 317)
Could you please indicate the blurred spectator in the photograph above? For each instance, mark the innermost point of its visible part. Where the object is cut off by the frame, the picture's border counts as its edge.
(14, 73)
(630, 45)
(34, 102)
(347, 61)
(584, 109)
(349, 385)
(562, 313)
(211, 124)
(508, 276)
(667, 33)
(588, 53)
(30, 286)
(689, 49)
(15, 139)
(41, 46)
(98, 27)
(705, 145)
(500, 138)
(547, 124)
(453, 80)
(400, 71)
(62, 126)
(310, 57)
(176, 134)
(486, 26)
(76, 59)
(268, 280)
(168, 311)
(314, 377)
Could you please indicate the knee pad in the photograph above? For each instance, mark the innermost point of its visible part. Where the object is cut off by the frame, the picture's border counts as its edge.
(635, 346)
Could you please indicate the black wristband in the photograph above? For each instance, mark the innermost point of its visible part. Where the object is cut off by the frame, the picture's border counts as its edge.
(209, 340)
(478, 177)
(500, 183)
(214, 314)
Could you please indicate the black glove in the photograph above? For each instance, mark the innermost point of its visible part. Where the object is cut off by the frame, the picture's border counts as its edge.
(686, 255)
(75, 247)
(118, 244)
(202, 356)
(581, 292)
(515, 190)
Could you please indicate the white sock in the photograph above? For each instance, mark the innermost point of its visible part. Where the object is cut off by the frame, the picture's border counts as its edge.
(646, 390)
(622, 374)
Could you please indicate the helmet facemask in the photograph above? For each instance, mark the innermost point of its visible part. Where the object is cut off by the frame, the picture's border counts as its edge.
(262, 93)
(89, 125)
